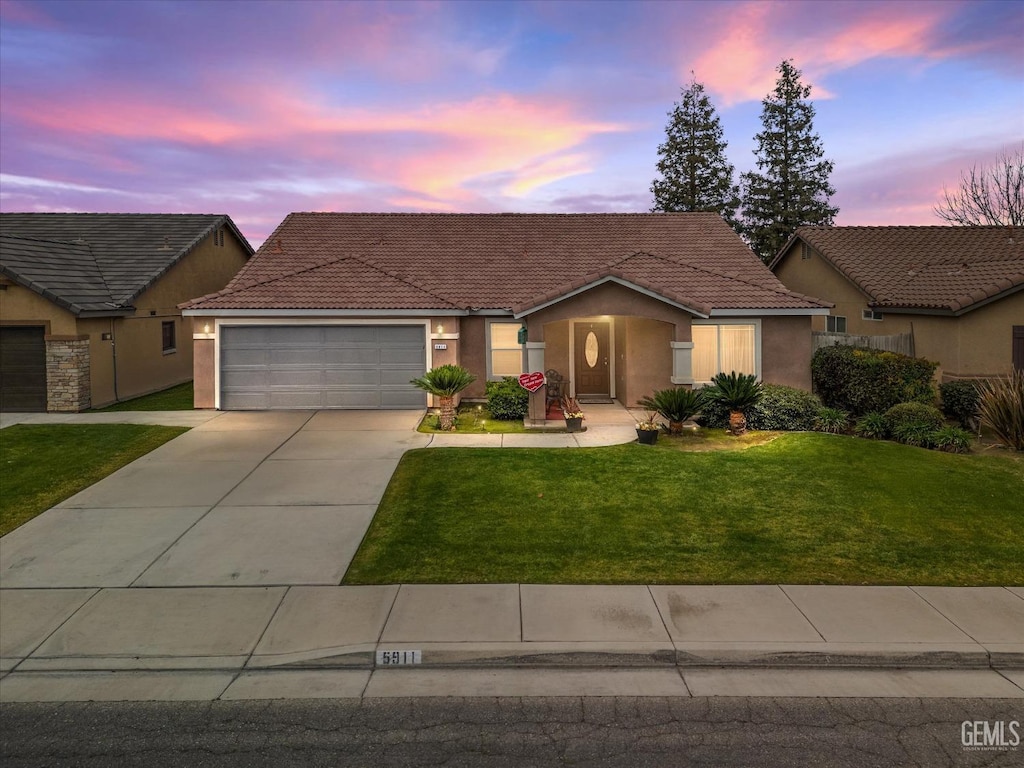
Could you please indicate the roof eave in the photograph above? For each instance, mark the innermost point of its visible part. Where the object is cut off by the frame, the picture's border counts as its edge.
(526, 310)
(214, 312)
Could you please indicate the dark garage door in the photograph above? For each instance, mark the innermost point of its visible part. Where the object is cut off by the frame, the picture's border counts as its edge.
(321, 366)
(22, 368)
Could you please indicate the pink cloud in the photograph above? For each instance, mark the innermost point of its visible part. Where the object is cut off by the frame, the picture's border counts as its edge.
(535, 140)
(904, 189)
(820, 38)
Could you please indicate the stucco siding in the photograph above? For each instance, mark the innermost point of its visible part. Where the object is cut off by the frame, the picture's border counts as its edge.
(648, 358)
(786, 351)
(21, 306)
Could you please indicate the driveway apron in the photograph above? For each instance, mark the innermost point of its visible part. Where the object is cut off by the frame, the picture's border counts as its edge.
(246, 499)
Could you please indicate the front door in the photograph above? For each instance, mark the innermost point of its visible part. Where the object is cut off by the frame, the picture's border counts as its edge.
(591, 359)
(1018, 347)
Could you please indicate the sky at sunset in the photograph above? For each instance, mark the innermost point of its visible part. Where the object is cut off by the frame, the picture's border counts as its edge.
(257, 109)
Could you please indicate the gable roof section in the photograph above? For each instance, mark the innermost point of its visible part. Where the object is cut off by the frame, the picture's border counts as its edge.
(99, 262)
(931, 269)
(498, 262)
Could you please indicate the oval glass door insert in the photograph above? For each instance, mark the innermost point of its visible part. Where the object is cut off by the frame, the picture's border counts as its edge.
(590, 349)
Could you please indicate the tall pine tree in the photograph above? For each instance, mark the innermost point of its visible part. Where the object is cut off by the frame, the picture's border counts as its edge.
(695, 176)
(792, 186)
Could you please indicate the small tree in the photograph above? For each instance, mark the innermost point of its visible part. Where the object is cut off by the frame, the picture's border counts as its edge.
(992, 194)
(792, 186)
(737, 392)
(695, 176)
(445, 382)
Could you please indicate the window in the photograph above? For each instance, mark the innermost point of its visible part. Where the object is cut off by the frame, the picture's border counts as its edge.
(505, 353)
(167, 328)
(871, 314)
(723, 347)
(835, 324)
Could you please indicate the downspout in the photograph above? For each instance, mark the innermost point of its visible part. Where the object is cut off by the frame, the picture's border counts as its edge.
(113, 350)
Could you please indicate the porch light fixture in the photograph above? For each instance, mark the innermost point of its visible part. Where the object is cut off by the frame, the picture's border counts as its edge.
(206, 327)
(440, 328)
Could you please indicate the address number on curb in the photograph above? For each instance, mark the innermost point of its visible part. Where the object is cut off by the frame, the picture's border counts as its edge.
(398, 658)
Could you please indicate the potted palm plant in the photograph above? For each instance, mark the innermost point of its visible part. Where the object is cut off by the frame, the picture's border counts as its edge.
(573, 414)
(737, 392)
(675, 405)
(445, 382)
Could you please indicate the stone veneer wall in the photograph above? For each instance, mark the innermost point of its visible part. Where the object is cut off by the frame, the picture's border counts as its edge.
(67, 373)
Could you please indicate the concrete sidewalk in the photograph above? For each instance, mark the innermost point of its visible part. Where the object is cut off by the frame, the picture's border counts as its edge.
(210, 568)
(510, 639)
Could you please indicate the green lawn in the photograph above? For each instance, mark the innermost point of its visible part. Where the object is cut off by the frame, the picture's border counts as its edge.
(177, 398)
(41, 465)
(473, 420)
(803, 508)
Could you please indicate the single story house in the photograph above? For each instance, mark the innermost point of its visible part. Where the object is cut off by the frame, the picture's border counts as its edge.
(341, 310)
(958, 290)
(89, 302)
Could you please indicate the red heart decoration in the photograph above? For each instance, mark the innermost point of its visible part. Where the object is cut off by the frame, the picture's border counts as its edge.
(531, 382)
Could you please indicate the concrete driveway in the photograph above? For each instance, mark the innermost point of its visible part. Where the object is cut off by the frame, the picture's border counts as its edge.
(247, 499)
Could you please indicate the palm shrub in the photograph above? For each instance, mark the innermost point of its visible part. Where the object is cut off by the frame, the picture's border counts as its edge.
(831, 420)
(1002, 409)
(737, 392)
(780, 408)
(675, 405)
(445, 382)
(873, 426)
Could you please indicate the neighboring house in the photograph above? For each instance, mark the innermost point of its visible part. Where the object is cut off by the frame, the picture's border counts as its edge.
(958, 290)
(341, 310)
(88, 302)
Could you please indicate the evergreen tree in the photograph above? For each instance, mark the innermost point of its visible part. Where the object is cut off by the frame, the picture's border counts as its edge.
(791, 187)
(695, 176)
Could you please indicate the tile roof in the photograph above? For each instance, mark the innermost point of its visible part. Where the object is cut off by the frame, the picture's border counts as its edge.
(929, 268)
(511, 262)
(98, 262)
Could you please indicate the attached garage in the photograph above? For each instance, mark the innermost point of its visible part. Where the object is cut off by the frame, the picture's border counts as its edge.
(22, 369)
(265, 367)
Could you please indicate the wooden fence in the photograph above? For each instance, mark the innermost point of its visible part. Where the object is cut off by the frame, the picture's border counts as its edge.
(898, 342)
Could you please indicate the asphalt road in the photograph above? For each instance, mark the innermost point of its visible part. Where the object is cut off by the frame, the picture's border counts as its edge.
(597, 732)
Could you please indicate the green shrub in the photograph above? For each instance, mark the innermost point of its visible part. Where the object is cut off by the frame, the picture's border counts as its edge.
(1002, 409)
(913, 413)
(861, 380)
(960, 402)
(873, 426)
(507, 400)
(952, 440)
(780, 408)
(784, 408)
(916, 433)
(831, 420)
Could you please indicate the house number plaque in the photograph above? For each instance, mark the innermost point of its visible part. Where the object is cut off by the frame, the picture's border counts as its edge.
(398, 658)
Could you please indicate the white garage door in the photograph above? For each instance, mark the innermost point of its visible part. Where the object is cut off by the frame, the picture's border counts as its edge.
(264, 367)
